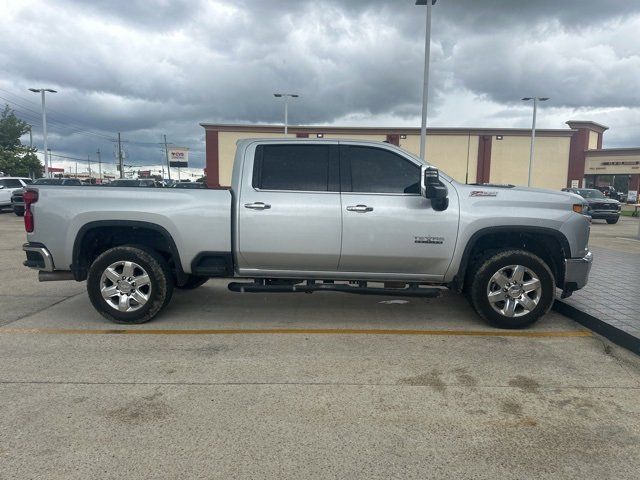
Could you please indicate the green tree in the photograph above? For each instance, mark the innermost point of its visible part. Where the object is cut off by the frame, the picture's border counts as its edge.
(16, 159)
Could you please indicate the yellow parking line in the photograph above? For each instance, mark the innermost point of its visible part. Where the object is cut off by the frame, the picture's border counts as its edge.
(297, 331)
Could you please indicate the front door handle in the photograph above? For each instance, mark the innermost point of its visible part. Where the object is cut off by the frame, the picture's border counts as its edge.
(257, 206)
(360, 208)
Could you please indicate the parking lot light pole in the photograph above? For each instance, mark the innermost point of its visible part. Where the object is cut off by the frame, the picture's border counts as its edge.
(286, 96)
(533, 132)
(44, 124)
(425, 78)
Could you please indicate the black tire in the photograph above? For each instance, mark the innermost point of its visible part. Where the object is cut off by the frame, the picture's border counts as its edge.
(492, 263)
(160, 280)
(611, 221)
(193, 282)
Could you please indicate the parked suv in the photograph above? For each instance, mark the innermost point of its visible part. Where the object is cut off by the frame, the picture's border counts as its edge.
(7, 187)
(599, 206)
(17, 198)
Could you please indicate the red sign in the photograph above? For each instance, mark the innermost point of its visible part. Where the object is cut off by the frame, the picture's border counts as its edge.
(56, 170)
(144, 173)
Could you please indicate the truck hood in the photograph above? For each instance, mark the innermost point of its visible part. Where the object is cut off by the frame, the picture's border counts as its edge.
(607, 201)
(512, 196)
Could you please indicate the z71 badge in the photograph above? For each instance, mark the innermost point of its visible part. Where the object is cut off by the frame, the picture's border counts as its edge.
(483, 193)
(429, 239)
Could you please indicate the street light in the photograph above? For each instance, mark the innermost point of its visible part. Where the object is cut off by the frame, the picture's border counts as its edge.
(425, 85)
(44, 124)
(533, 132)
(286, 107)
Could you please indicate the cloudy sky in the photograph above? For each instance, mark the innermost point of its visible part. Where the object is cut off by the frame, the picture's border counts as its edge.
(153, 67)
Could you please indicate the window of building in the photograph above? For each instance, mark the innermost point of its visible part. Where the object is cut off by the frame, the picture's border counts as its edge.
(375, 170)
(292, 167)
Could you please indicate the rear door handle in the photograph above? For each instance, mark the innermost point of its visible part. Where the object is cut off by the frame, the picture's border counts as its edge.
(360, 208)
(257, 206)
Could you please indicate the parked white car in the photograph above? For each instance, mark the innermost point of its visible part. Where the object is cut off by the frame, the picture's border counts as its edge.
(7, 186)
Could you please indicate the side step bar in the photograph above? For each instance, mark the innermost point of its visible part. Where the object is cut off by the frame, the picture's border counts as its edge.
(310, 287)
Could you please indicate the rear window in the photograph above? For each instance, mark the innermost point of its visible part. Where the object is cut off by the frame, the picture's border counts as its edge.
(292, 167)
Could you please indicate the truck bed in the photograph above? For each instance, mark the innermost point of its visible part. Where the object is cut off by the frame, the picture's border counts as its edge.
(198, 220)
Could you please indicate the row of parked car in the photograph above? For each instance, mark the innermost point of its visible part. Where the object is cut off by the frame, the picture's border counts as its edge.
(12, 188)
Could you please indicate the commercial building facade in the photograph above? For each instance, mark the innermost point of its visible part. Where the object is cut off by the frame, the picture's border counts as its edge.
(564, 157)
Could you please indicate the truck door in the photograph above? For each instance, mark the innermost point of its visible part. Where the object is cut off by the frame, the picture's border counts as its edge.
(289, 215)
(388, 226)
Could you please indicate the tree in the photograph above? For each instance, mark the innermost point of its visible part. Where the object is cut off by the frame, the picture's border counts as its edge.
(16, 159)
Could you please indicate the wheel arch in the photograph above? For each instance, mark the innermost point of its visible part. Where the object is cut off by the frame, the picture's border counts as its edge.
(138, 232)
(548, 243)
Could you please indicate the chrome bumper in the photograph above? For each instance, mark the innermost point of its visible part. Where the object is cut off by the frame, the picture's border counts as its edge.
(38, 257)
(576, 273)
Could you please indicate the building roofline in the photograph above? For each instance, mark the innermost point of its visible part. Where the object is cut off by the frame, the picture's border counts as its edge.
(597, 127)
(264, 128)
(614, 152)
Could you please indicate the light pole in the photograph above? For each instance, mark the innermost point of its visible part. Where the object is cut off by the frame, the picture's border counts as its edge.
(533, 132)
(286, 96)
(425, 84)
(44, 124)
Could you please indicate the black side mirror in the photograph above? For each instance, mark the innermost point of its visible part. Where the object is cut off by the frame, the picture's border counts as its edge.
(433, 189)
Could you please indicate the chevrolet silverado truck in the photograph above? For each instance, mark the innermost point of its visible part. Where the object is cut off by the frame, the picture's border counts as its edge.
(315, 215)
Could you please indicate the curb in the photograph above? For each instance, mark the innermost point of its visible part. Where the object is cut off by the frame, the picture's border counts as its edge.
(616, 335)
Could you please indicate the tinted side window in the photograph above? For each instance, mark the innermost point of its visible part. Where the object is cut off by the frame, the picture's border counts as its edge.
(292, 167)
(11, 183)
(376, 170)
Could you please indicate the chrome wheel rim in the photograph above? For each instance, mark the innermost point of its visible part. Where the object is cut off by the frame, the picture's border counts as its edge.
(125, 286)
(514, 291)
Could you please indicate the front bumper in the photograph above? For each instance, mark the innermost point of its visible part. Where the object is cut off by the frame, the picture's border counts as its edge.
(576, 273)
(604, 214)
(38, 257)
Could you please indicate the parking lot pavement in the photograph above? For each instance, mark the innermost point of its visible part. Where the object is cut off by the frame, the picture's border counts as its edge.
(610, 302)
(350, 387)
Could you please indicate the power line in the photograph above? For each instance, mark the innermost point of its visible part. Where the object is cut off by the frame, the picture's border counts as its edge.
(68, 125)
(71, 121)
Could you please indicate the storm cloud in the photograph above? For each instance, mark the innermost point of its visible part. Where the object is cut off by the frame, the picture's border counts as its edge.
(147, 68)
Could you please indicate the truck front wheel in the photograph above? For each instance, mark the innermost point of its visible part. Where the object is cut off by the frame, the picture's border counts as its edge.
(129, 285)
(512, 288)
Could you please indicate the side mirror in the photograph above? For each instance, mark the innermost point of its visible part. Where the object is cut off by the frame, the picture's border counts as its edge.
(433, 189)
(431, 186)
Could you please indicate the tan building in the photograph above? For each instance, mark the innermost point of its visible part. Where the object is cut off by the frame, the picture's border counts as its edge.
(563, 157)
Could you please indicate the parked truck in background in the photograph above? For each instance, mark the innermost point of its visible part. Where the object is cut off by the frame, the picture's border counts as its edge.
(315, 215)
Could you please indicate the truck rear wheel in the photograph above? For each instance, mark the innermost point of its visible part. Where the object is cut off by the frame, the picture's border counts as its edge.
(512, 288)
(129, 285)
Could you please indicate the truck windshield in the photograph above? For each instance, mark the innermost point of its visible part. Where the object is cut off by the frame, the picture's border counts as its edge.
(589, 193)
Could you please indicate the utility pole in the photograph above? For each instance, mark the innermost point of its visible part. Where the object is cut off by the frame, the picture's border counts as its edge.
(76, 168)
(30, 138)
(120, 156)
(286, 97)
(89, 167)
(42, 91)
(425, 77)
(166, 153)
(533, 133)
(99, 166)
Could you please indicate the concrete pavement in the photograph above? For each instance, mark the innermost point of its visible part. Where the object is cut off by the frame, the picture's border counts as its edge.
(455, 400)
(610, 303)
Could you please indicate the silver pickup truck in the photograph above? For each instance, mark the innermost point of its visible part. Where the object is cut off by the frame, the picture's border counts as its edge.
(315, 215)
